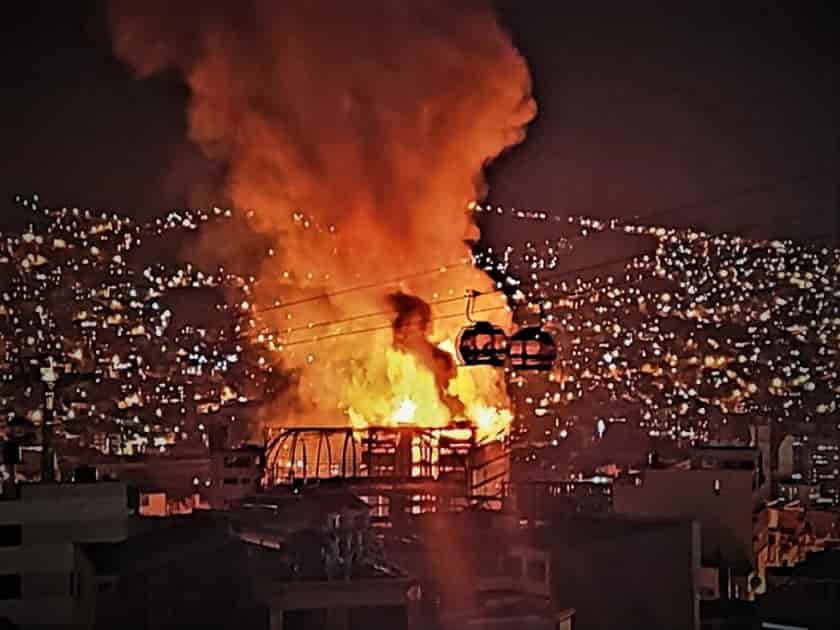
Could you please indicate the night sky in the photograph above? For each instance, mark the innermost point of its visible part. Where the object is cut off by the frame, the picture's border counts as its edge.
(639, 109)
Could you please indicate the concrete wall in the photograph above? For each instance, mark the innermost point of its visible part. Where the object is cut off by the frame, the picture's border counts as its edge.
(173, 475)
(234, 476)
(153, 504)
(628, 574)
(51, 513)
(336, 605)
(84, 582)
(199, 581)
(54, 517)
(720, 500)
(222, 477)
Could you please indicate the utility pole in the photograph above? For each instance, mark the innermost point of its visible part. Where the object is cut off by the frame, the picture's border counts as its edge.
(53, 376)
(49, 377)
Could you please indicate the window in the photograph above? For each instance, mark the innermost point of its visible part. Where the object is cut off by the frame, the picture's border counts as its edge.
(11, 535)
(513, 566)
(707, 592)
(380, 506)
(10, 586)
(144, 500)
(817, 591)
(238, 461)
(536, 570)
(717, 486)
(230, 481)
(244, 481)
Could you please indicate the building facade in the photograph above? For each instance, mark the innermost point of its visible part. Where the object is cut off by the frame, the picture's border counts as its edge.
(42, 568)
(725, 490)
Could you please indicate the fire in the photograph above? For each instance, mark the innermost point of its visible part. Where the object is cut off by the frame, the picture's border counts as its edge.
(358, 134)
(403, 391)
(406, 411)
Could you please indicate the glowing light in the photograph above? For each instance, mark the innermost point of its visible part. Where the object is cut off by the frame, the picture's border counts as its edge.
(405, 412)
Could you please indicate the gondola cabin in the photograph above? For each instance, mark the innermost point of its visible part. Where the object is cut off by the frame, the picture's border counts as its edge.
(482, 343)
(532, 348)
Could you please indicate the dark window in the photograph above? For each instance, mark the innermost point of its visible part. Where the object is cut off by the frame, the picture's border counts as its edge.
(10, 586)
(144, 500)
(536, 570)
(707, 593)
(817, 590)
(238, 461)
(513, 566)
(11, 535)
(230, 481)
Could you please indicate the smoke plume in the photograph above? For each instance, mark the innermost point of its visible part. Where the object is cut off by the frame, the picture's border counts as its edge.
(358, 133)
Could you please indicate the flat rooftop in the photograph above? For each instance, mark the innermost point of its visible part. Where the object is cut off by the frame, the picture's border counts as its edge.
(822, 565)
(155, 541)
(71, 491)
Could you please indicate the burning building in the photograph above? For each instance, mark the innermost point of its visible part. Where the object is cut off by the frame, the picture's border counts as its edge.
(359, 136)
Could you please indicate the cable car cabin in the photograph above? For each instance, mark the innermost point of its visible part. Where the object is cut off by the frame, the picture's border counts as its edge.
(482, 343)
(532, 349)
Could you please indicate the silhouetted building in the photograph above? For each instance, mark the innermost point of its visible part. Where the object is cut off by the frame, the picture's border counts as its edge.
(42, 565)
(73, 556)
(214, 479)
(612, 572)
(180, 572)
(816, 462)
(537, 502)
(725, 490)
(468, 562)
(805, 597)
(314, 562)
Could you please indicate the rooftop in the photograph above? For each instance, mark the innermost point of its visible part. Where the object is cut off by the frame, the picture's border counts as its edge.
(483, 529)
(282, 511)
(152, 542)
(70, 491)
(822, 565)
(516, 612)
(325, 501)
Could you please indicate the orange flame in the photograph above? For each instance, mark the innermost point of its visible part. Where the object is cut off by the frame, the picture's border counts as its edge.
(358, 133)
(402, 391)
